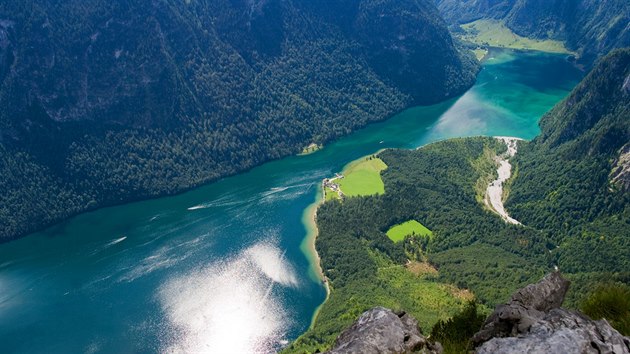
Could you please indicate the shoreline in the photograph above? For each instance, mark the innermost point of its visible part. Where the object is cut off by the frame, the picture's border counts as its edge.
(308, 248)
(309, 220)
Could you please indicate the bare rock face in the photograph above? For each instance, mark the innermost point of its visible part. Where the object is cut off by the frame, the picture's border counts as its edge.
(620, 174)
(380, 330)
(533, 322)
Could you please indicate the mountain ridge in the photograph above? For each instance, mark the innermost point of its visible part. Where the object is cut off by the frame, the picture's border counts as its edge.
(105, 103)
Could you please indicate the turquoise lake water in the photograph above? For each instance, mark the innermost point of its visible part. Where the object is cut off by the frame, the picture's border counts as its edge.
(219, 269)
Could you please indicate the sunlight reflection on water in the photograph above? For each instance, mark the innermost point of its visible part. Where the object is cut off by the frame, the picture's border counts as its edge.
(227, 307)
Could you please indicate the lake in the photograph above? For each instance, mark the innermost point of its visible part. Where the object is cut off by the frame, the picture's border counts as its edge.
(220, 268)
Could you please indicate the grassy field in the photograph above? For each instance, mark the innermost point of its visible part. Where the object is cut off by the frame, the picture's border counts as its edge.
(399, 232)
(363, 177)
(495, 33)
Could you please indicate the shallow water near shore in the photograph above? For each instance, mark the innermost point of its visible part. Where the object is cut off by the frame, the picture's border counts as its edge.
(220, 268)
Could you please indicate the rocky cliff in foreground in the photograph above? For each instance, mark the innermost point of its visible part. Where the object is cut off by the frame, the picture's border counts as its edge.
(531, 322)
(380, 330)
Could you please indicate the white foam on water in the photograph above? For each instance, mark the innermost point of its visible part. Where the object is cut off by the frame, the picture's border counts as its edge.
(107, 245)
(227, 307)
(118, 240)
(164, 257)
(288, 192)
(227, 201)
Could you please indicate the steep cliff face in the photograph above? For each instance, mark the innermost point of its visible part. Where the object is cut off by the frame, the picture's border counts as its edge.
(105, 102)
(620, 174)
(592, 28)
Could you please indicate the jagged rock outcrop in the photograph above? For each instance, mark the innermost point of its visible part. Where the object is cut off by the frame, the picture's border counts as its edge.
(533, 322)
(620, 174)
(380, 330)
(524, 309)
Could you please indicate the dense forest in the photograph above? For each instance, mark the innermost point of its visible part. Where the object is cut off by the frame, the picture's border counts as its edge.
(590, 27)
(561, 192)
(564, 185)
(105, 102)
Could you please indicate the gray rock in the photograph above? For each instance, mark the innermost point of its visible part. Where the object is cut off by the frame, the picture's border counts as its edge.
(620, 174)
(526, 307)
(532, 322)
(380, 330)
(562, 331)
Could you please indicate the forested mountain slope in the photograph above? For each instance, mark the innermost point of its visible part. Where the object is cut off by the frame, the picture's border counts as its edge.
(103, 102)
(564, 184)
(464, 11)
(590, 27)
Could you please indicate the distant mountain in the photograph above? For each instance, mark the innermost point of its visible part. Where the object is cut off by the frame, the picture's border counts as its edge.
(595, 118)
(464, 11)
(104, 102)
(590, 27)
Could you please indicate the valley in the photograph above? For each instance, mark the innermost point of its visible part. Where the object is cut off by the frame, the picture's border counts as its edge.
(299, 176)
(167, 278)
(493, 33)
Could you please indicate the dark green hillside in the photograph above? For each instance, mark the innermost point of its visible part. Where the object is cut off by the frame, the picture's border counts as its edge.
(104, 102)
(595, 118)
(464, 11)
(592, 28)
(564, 176)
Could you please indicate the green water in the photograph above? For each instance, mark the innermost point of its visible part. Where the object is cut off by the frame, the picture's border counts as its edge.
(219, 269)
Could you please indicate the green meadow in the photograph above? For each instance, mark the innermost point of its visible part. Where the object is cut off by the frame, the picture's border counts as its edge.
(363, 177)
(398, 232)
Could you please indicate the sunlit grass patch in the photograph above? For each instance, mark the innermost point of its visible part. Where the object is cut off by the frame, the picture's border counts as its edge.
(363, 177)
(410, 228)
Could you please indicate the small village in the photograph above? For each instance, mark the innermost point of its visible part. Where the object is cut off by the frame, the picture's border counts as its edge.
(330, 183)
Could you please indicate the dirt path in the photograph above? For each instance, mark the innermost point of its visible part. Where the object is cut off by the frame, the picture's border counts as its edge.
(494, 192)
